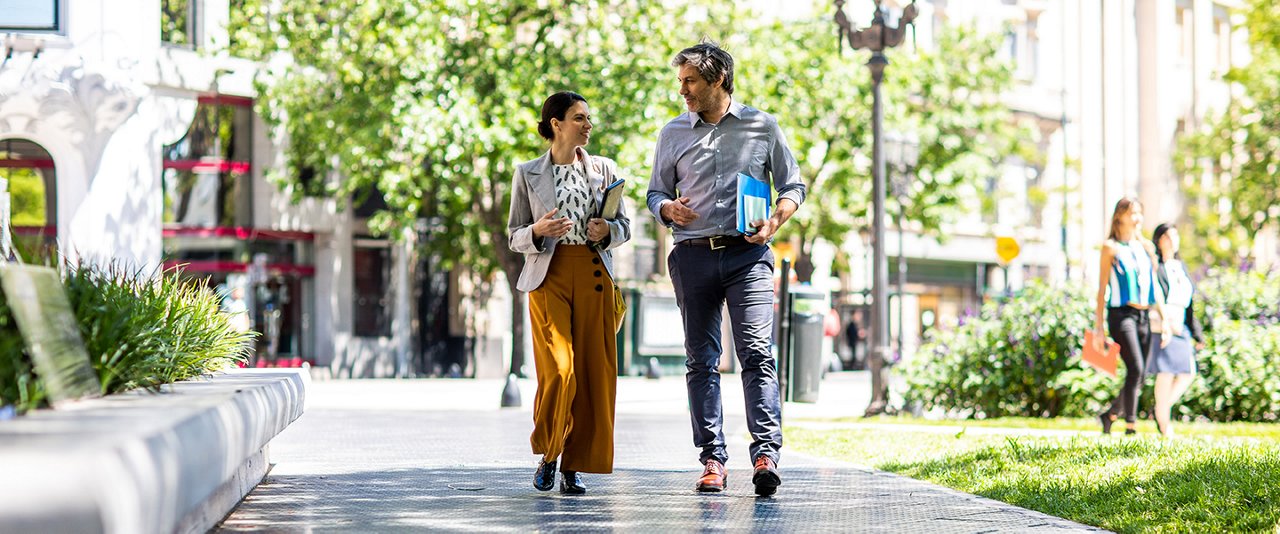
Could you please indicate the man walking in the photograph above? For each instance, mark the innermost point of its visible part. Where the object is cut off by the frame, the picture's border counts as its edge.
(694, 190)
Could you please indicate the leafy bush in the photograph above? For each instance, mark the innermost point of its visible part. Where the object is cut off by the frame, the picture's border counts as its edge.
(18, 385)
(1019, 356)
(1240, 296)
(1238, 373)
(139, 332)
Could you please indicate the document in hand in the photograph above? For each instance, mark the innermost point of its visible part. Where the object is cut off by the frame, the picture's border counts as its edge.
(753, 202)
(612, 200)
(1102, 361)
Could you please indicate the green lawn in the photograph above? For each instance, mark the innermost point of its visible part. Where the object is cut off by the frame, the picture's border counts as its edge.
(1222, 478)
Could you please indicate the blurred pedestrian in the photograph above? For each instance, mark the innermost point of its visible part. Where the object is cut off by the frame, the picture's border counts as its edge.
(1174, 362)
(1126, 290)
(853, 336)
(568, 272)
(694, 191)
(236, 309)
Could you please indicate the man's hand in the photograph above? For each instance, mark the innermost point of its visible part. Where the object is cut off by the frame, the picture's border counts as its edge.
(765, 229)
(548, 226)
(597, 229)
(678, 212)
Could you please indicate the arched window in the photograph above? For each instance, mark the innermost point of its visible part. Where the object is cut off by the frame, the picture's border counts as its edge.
(28, 170)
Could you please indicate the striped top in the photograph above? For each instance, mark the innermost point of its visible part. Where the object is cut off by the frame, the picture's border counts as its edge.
(1132, 276)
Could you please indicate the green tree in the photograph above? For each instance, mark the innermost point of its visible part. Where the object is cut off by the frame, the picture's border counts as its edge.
(1239, 150)
(432, 103)
(949, 96)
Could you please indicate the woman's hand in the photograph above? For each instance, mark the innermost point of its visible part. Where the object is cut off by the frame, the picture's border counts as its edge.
(1100, 341)
(1168, 333)
(548, 226)
(597, 229)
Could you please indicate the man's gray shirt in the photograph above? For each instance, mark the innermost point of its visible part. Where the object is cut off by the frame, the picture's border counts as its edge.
(701, 161)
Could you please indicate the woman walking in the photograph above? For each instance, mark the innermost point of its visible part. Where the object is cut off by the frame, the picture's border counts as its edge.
(568, 272)
(1126, 290)
(1174, 362)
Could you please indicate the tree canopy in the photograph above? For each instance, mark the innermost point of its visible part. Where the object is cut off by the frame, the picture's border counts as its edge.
(1239, 150)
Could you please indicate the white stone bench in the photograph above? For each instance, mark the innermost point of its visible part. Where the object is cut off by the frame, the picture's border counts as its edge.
(140, 462)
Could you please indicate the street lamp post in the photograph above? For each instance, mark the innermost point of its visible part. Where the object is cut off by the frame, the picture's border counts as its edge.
(903, 152)
(877, 38)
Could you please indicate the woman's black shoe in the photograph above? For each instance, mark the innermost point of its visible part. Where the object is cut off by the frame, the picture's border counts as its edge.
(545, 477)
(570, 484)
(1106, 419)
(1130, 431)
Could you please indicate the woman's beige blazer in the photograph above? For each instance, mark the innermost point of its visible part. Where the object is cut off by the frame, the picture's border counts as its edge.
(533, 194)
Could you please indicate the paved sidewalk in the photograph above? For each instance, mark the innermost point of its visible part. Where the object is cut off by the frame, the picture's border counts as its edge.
(438, 455)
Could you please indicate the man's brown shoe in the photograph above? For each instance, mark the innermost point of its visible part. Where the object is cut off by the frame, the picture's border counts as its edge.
(766, 477)
(714, 478)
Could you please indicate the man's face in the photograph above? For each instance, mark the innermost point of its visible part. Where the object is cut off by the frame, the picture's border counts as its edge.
(699, 96)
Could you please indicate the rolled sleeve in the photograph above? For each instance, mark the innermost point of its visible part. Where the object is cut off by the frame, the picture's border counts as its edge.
(786, 172)
(662, 183)
(520, 221)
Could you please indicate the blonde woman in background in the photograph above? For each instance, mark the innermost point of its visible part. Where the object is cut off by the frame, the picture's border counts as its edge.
(1126, 290)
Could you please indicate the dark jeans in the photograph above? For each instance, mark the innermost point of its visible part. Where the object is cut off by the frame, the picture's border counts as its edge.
(705, 280)
(1130, 328)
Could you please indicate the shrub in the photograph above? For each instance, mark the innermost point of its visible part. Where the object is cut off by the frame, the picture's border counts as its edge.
(1239, 296)
(1238, 374)
(1019, 356)
(139, 332)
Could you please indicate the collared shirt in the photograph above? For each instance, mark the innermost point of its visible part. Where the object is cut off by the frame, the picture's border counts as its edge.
(701, 161)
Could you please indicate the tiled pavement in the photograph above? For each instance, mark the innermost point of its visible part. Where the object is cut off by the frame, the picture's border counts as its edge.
(438, 455)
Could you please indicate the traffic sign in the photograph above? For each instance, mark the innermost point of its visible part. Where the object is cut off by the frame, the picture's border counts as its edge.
(1007, 248)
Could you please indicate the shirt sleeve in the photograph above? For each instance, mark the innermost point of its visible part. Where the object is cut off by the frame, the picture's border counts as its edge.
(784, 169)
(662, 184)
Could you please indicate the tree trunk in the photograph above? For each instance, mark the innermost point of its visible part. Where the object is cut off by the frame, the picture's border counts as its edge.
(518, 314)
(512, 263)
(804, 267)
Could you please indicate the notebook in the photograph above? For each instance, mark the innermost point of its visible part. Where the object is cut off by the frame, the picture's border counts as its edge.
(612, 200)
(753, 202)
(1104, 362)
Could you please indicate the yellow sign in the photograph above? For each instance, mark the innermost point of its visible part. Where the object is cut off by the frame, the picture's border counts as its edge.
(1007, 248)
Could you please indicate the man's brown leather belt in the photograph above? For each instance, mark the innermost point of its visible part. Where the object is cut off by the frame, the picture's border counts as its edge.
(716, 242)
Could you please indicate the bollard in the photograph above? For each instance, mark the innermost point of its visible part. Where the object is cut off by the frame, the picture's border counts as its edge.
(511, 393)
(655, 371)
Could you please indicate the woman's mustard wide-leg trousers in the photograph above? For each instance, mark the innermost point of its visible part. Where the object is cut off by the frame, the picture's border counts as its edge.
(575, 352)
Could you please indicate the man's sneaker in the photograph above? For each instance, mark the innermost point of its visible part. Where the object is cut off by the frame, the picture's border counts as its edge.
(545, 477)
(714, 478)
(766, 477)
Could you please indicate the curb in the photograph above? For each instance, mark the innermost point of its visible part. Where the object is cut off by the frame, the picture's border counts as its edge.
(177, 461)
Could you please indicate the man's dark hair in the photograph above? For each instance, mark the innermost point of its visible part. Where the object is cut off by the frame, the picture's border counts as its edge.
(554, 108)
(711, 61)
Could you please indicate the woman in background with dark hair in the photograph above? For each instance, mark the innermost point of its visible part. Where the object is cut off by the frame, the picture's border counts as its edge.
(1126, 290)
(1173, 362)
(568, 272)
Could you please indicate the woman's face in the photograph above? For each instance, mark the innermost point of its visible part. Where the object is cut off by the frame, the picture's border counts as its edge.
(1133, 218)
(576, 126)
(1169, 242)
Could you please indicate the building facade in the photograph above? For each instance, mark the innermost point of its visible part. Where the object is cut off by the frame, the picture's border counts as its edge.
(127, 135)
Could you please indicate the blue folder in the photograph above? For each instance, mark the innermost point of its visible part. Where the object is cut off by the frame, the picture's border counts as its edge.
(754, 202)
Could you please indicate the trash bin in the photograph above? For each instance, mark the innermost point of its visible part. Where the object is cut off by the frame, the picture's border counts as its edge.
(804, 370)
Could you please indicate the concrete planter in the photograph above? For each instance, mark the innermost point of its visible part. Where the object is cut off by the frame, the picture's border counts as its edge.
(177, 461)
